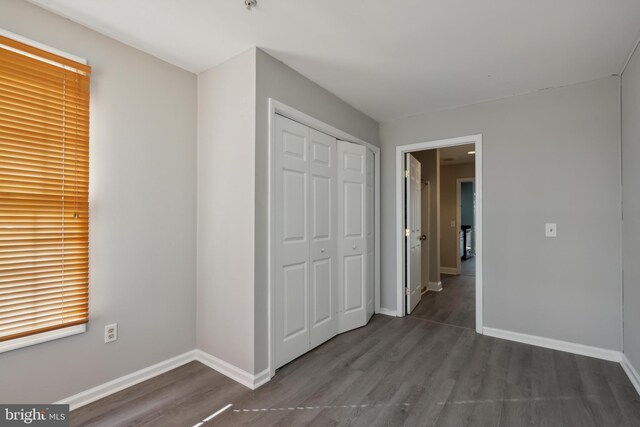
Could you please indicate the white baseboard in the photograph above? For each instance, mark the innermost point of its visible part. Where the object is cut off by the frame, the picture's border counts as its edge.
(581, 349)
(227, 369)
(449, 270)
(114, 386)
(435, 287)
(631, 372)
(388, 312)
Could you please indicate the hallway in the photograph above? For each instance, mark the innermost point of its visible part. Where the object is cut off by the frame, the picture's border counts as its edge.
(456, 304)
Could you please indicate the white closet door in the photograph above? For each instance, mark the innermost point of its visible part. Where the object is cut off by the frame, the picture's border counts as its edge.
(323, 301)
(351, 236)
(292, 269)
(371, 241)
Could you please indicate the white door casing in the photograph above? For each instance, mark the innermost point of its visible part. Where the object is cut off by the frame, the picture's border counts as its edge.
(414, 231)
(371, 240)
(292, 242)
(323, 301)
(351, 236)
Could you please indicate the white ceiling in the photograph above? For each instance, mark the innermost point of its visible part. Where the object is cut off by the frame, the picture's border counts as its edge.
(387, 58)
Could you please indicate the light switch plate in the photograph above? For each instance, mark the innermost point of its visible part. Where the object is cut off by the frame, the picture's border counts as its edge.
(551, 230)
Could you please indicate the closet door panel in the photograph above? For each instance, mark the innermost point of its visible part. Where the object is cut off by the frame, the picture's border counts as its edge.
(351, 235)
(322, 249)
(292, 266)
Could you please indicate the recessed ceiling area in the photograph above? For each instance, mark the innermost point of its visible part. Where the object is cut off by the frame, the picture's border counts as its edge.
(457, 155)
(386, 58)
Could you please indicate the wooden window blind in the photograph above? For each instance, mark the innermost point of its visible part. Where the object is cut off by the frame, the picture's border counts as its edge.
(44, 191)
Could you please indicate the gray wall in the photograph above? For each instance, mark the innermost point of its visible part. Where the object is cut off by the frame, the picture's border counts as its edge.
(631, 203)
(467, 197)
(143, 211)
(466, 203)
(549, 156)
(430, 168)
(226, 148)
(450, 236)
(278, 81)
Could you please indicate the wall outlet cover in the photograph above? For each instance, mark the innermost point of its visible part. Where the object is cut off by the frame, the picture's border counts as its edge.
(111, 333)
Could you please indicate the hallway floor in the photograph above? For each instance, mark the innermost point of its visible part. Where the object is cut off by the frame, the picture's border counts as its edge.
(393, 372)
(455, 305)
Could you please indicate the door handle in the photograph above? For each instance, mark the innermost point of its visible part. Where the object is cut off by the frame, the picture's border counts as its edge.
(355, 247)
(423, 237)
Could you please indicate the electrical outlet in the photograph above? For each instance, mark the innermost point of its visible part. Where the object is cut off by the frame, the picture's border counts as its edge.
(110, 333)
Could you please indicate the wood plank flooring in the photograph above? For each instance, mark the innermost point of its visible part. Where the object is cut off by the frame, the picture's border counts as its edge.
(468, 266)
(454, 305)
(395, 371)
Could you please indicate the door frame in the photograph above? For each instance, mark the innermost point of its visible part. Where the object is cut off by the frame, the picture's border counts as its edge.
(428, 233)
(459, 182)
(278, 108)
(400, 206)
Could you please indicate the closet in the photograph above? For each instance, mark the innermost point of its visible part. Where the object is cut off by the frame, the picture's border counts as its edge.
(323, 238)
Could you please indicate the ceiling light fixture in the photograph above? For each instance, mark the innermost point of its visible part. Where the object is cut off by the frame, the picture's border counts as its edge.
(471, 152)
(250, 4)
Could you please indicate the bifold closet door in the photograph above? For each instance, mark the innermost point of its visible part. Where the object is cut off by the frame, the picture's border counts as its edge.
(352, 248)
(305, 218)
(291, 186)
(323, 301)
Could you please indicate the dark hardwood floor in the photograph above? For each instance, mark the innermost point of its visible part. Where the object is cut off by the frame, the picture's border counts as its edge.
(395, 371)
(454, 305)
(468, 266)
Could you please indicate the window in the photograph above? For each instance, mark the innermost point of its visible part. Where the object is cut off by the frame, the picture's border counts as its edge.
(44, 191)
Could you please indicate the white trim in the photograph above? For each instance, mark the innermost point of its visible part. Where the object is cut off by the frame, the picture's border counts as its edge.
(17, 343)
(387, 312)
(114, 386)
(376, 230)
(277, 107)
(581, 349)
(435, 287)
(633, 375)
(449, 270)
(227, 369)
(41, 46)
(459, 182)
(400, 151)
(626, 63)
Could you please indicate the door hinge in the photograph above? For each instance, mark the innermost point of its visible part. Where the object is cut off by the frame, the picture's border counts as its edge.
(407, 232)
(406, 174)
(407, 291)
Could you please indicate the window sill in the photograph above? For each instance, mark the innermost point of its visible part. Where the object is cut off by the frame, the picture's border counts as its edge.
(42, 337)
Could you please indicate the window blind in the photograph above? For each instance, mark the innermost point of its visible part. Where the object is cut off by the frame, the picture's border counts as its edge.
(44, 190)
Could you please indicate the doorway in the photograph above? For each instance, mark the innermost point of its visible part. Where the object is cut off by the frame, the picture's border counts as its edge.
(448, 234)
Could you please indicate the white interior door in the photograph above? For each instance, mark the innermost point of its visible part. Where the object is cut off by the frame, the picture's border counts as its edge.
(291, 186)
(413, 229)
(371, 241)
(351, 236)
(323, 301)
